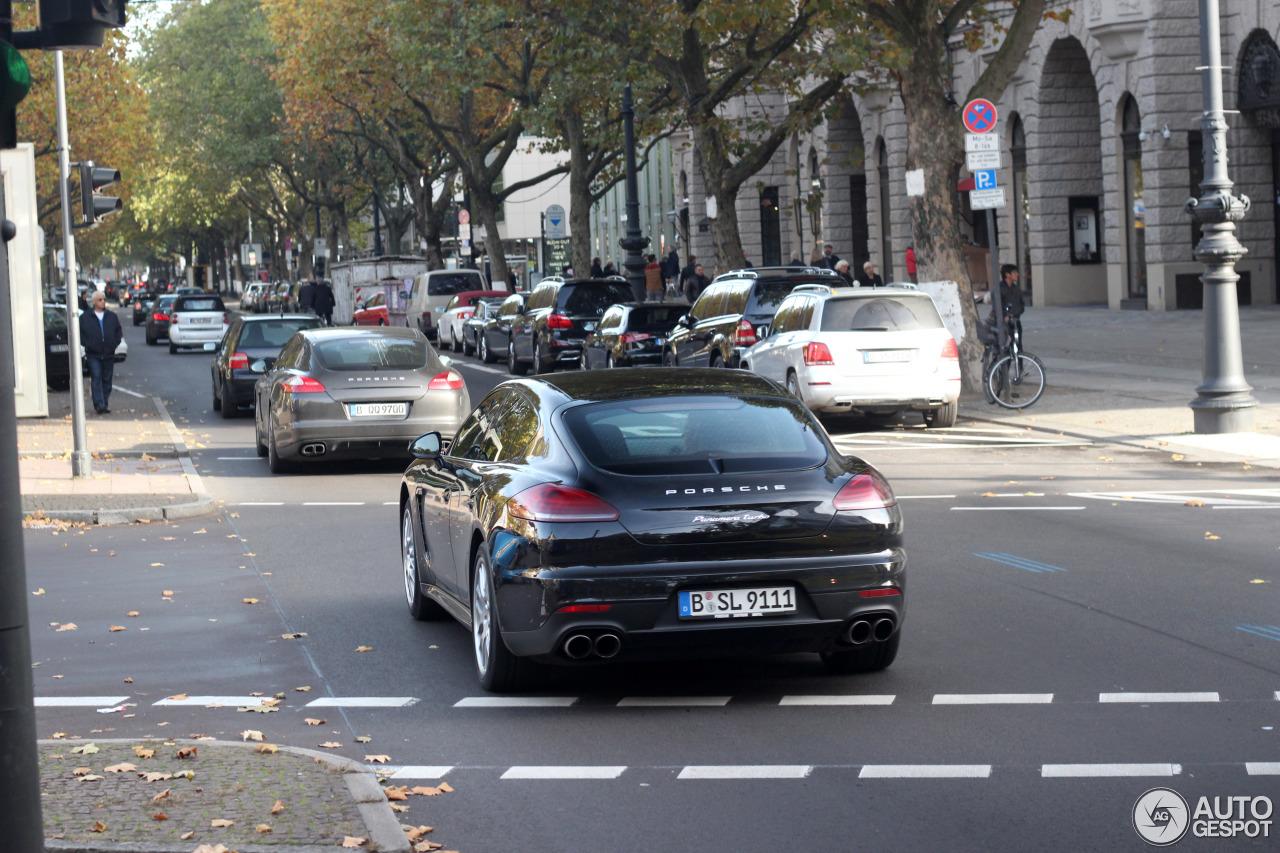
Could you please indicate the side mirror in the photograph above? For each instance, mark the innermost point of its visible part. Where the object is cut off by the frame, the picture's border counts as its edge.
(259, 366)
(426, 446)
(210, 347)
(688, 321)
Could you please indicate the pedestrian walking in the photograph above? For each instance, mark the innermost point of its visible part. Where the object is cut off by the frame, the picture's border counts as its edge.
(307, 298)
(672, 271)
(829, 257)
(610, 269)
(695, 284)
(842, 270)
(869, 276)
(911, 263)
(682, 286)
(100, 334)
(597, 271)
(653, 279)
(324, 301)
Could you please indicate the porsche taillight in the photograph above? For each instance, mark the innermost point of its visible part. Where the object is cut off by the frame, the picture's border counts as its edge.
(450, 380)
(302, 385)
(867, 490)
(548, 502)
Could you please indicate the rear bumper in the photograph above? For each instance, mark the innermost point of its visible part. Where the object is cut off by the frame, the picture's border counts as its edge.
(350, 440)
(829, 391)
(183, 336)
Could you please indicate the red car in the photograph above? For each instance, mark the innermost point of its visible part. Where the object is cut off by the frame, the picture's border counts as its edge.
(372, 313)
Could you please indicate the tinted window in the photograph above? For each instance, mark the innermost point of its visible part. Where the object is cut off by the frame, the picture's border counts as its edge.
(198, 303)
(737, 301)
(289, 356)
(649, 318)
(166, 302)
(593, 299)
(612, 318)
(517, 426)
(543, 296)
(514, 305)
(446, 284)
(782, 320)
(805, 315)
(55, 320)
(476, 438)
(696, 435)
(708, 304)
(768, 296)
(272, 333)
(882, 314)
(368, 352)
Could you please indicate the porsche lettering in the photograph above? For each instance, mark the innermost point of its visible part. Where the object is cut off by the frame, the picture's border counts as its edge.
(713, 490)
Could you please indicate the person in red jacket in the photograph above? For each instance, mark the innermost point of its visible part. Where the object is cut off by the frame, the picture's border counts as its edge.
(911, 263)
(653, 284)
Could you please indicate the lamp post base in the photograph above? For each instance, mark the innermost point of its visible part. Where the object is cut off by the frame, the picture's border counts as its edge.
(1220, 415)
(81, 466)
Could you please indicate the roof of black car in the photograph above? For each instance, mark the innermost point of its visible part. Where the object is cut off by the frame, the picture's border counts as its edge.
(657, 381)
(339, 332)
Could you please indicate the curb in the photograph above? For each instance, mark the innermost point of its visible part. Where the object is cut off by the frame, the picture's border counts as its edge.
(385, 834)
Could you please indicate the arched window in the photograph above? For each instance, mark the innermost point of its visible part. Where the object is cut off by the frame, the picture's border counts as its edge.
(1131, 137)
(770, 228)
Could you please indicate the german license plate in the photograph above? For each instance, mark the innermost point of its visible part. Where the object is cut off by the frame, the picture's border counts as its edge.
(378, 410)
(201, 321)
(588, 327)
(882, 356)
(57, 347)
(736, 603)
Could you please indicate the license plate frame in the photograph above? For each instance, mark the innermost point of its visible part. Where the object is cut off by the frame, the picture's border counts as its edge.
(378, 410)
(735, 603)
(888, 356)
(59, 348)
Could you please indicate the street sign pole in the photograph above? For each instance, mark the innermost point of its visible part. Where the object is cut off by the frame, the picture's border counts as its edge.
(982, 149)
(996, 300)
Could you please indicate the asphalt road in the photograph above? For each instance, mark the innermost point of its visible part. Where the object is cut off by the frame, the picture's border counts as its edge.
(1076, 635)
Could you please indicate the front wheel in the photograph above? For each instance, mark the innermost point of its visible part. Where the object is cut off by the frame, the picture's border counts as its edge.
(498, 669)
(1016, 385)
(486, 355)
(421, 607)
(514, 365)
(668, 359)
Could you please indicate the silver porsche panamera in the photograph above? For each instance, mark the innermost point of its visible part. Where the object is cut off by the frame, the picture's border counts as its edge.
(354, 393)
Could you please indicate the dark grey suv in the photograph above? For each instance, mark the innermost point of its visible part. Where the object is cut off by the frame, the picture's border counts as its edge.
(556, 319)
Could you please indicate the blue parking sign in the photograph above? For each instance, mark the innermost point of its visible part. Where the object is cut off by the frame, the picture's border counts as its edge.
(984, 179)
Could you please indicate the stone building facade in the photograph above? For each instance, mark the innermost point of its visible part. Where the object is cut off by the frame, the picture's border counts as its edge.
(1100, 139)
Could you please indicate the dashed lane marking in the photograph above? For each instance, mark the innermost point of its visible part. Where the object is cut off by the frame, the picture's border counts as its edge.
(746, 771)
(673, 701)
(1146, 698)
(993, 699)
(79, 701)
(837, 700)
(421, 771)
(333, 503)
(205, 701)
(516, 702)
(924, 497)
(925, 771)
(1076, 771)
(565, 772)
(1262, 768)
(1214, 498)
(1021, 563)
(363, 702)
(1013, 508)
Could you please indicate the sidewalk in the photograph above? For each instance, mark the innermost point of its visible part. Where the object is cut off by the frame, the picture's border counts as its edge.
(141, 467)
(1127, 377)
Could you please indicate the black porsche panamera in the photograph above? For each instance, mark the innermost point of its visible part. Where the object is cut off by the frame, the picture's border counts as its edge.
(637, 514)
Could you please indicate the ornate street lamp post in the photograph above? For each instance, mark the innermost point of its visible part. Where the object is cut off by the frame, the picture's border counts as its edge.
(632, 241)
(1223, 403)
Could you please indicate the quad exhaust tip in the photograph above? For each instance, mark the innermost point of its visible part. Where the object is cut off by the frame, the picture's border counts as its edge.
(882, 630)
(578, 647)
(859, 632)
(315, 448)
(862, 631)
(583, 646)
(607, 646)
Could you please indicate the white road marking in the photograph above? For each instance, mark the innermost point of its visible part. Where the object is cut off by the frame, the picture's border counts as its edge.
(391, 503)
(363, 702)
(925, 771)
(993, 698)
(1215, 498)
(837, 700)
(115, 387)
(260, 503)
(236, 458)
(516, 702)
(673, 701)
(1012, 508)
(236, 701)
(923, 497)
(421, 771)
(948, 446)
(481, 367)
(746, 771)
(1249, 506)
(1157, 697)
(1065, 771)
(564, 772)
(1262, 768)
(79, 701)
(1016, 495)
(333, 503)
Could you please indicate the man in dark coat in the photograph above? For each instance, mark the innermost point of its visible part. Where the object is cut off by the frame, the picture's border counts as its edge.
(100, 334)
(307, 298)
(323, 302)
(682, 286)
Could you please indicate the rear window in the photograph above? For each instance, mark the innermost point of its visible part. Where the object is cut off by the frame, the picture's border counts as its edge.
(591, 299)
(198, 303)
(369, 353)
(769, 295)
(166, 302)
(451, 283)
(655, 317)
(272, 333)
(696, 435)
(881, 314)
(55, 320)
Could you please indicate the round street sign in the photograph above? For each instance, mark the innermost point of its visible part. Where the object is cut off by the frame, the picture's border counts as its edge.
(464, 216)
(980, 116)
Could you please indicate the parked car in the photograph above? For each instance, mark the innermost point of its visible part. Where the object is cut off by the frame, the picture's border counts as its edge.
(131, 294)
(495, 336)
(250, 339)
(111, 289)
(343, 393)
(875, 351)
(250, 299)
(141, 308)
(57, 366)
(557, 318)
(196, 321)
(432, 290)
(458, 310)
(278, 298)
(483, 312)
(372, 312)
(158, 318)
(630, 334)
(627, 515)
(734, 312)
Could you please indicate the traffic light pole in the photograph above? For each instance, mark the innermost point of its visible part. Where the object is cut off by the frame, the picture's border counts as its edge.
(80, 465)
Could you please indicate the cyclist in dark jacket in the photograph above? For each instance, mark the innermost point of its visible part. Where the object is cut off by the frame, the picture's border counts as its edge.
(1010, 300)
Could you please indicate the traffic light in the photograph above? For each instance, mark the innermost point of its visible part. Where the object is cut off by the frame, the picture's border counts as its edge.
(94, 206)
(70, 24)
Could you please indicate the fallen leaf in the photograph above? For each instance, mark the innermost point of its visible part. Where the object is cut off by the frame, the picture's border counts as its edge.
(1194, 502)
(133, 613)
(302, 689)
(92, 777)
(177, 697)
(39, 591)
(261, 709)
(352, 841)
(163, 795)
(377, 759)
(160, 565)
(144, 752)
(415, 832)
(262, 828)
(1209, 535)
(445, 787)
(331, 744)
(128, 681)
(394, 792)
(159, 816)
(424, 791)
(258, 693)
(426, 846)
(122, 767)
(250, 734)
(86, 749)
(396, 807)
(155, 777)
(312, 721)
(69, 626)
(211, 848)
(364, 648)
(1177, 457)
(201, 530)
(267, 749)
(58, 735)
(187, 836)
(187, 752)
(221, 822)
(277, 808)
(988, 494)
(271, 703)
(81, 771)
(1259, 580)
(114, 629)
(294, 636)
(363, 739)
(166, 592)
(98, 826)
(251, 601)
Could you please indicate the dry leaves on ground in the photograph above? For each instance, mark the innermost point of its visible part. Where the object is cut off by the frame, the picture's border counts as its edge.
(250, 734)
(159, 816)
(424, 791)
(221, 822)
(122, 767)
(363, 739)
(251, 601)
(259, 709)
(1208, 535)
(352, 841)
(364, 648)
(267, 749)
(163, 795)
(187, 752)
(262, 828)
(296, 635)
(187, 836)
(396, 792)
(86, 749)
(177, 697)
(82, 771)
(312, 721)
(377, 759)
(134, 613)
(144, 752)
(1194, 502)
(210, 848)
(425, 846)
(92, 777)
(69, 626)
(331, 744)
(302, 689)
(413, 833)
(277, 808)
(155, 777)
(39, 591)
(115, 629)
(98, 826)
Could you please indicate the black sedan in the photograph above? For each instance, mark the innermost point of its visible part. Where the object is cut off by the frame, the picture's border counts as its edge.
(250, 339)
(142, 308)
(57, 365)
(630, 334)
(627, 514)
(158, 316)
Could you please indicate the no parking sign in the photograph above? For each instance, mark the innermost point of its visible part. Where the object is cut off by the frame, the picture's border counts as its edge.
(979, 116)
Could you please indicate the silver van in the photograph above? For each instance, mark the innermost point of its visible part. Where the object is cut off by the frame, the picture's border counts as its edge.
(432, 291)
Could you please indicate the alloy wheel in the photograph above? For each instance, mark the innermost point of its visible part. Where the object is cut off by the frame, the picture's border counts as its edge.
(410, 556)
(482, 620)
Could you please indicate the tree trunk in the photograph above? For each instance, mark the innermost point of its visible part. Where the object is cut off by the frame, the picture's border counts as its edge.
(487, 208)
(724, 226)
(934, 144)
(580, 200)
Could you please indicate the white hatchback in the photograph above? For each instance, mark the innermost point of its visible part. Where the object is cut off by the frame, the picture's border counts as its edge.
(196, 320)
(868, 350)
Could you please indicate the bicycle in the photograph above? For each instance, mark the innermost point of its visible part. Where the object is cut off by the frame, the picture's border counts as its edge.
(1012, 377)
